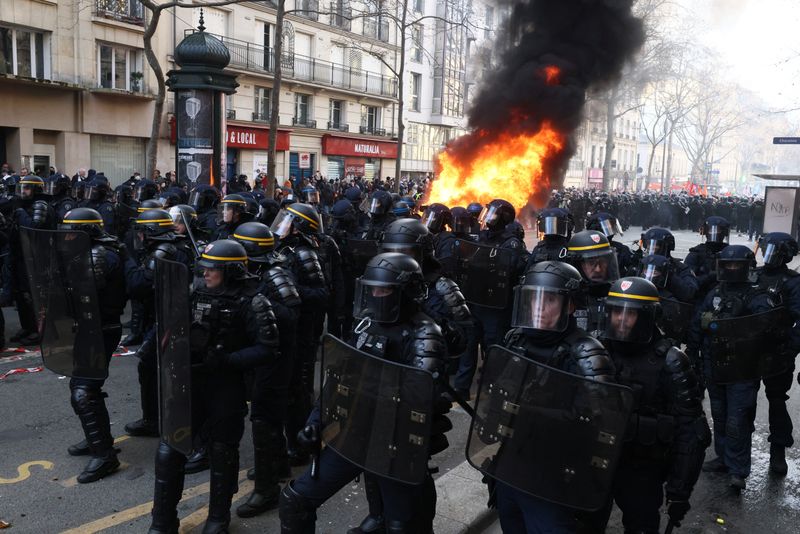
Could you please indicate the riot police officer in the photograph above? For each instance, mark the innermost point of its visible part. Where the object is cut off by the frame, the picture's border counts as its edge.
(608, 224)
(379, 208)
(87, 396)
(233, 330)
(153, 238)
(591, 253)
(778, 249)
(392, 327)
(555, 227)
(344, 230)
(702, 258)
(231, 212)
(57, 187)
(475, 210)
(675, 315)
(544, 330)
(355, 196)
(295, 226)
(204, 199)
(95, 196)
(667, 432)
(681, 280)
(731, 331)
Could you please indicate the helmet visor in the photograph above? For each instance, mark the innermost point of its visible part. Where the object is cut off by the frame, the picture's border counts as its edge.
(610, 227)
(409, 249)
(737, 270)
(312, 196)
(50, 188)
(540, 308)
(282, 225)
(553, 226)
(489, 216)
(654, 247)
(656, 274)
(771, 254)
(377, 301)
(430, 220)
(141, 194)
(462, 225)
(632, 323)
(717, 234)
(598, 267)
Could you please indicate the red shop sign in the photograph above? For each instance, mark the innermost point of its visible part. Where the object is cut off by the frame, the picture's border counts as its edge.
(240, 137)
(349, 146)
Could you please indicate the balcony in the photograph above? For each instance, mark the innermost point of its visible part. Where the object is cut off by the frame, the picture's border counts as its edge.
(230, 114)
(339, 126)
(371, 130)
(130, 11)
(303, 123)
(261, 117)
(259, 59)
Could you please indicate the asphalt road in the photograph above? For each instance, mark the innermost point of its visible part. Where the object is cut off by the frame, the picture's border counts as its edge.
(39, 493)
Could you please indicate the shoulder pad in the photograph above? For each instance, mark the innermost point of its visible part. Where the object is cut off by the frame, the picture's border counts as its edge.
(688, 398)
(428, 347)
(453, 297)
(265, 320)
(592, 358)
(306, 253)
(662, 346)
(282, 284)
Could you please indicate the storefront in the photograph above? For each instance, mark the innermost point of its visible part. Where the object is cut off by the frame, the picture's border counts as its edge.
(358, 156)
(247, 150)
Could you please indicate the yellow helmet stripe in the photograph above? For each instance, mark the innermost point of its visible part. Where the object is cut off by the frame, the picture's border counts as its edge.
(232, 201)
(222, 258)
(314, 224)
(591, 247)
(635, 297)
(83, 221)
(260, 240)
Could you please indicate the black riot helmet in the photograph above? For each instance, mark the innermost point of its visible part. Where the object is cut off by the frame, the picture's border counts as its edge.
(631, 310)
(554, 221)
(777, 248)
(658, 241)
(30, 185)
(354, 195)
(97, 189)
(231, 209)
(302, 217)
(204, 197)
(475, 209)
(603, 221)
(268, 209)
(408, 236)
(436, 216)
(148, 204)
(498, 214)
(83, 220)
(400, 209)
(462, 220)
(182, 215)
(123, 194)
(515, 228)
(153, 225)
(656, 269)
(57, 184)
(543, 299)
(343, 214)
(734, 263)
(256, 239)
(144, 190)
(226, 255)
(379, 203)
(594, 257)
(717, 230)
(391, 288)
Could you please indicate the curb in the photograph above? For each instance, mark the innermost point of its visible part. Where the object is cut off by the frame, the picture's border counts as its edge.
(461, 502)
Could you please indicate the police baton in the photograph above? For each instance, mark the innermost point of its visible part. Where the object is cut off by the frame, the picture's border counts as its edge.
(461, 401)
(189, 233)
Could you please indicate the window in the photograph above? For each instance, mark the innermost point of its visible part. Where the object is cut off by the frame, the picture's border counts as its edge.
(301, 108)
(308, 8)
(419, 6)
(119, 68)
(24, 53)
(488, 22)
(262, 109)
(416, 87)
(341, 14)
(412, 134)
(416, 43)
(370, 119)
(377, 26)
(336, 115)
(124, 10)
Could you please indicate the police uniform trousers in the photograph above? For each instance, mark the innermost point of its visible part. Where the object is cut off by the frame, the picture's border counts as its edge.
(468, 361)
(521, 513)
(111, 336)
(733, 410)
(776, 389)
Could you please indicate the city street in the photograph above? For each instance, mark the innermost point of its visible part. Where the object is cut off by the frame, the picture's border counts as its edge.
(39, 492)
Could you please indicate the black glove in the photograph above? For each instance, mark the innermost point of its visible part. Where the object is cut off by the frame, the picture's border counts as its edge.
(216, 358)
(677, 509)
(308, 438)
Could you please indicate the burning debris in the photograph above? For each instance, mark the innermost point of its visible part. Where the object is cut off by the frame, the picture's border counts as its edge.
(523, 119)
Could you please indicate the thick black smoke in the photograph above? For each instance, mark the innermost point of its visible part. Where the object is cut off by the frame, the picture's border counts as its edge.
(588, 40)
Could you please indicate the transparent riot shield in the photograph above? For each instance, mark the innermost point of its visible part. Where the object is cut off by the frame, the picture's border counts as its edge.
(59, 268)
(361, 251)
(485, 274)
(675, 318)
(376, 413)
(548, 433)
(174, 356)
(745, 348)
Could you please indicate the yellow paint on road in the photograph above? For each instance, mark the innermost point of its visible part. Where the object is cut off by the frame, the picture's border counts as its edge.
(136, 512)
(24, 471)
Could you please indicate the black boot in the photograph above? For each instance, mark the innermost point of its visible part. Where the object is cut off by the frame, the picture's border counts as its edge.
(777, 460)
(224, 481)
(268, 444)
(373, 523)
(79, 449)
(168, 489)
(135, 325)
(147, 426)
(90, 407)
(298, 515)
(198, 460)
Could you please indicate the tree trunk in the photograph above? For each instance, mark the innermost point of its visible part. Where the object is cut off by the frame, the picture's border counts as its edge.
(275, 102)
(158, 74)
(650, 159)
(400, 91)
(611, 105)
(668, 163)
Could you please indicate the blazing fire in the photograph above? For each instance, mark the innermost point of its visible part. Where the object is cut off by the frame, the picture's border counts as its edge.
(551, 73)
(509, 166)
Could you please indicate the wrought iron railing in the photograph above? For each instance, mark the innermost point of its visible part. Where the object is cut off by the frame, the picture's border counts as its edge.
(130, 11)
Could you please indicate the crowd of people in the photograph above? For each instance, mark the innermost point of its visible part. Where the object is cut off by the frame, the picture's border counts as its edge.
(414, 300)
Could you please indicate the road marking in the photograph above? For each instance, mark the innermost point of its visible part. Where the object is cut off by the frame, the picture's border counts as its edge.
(198, 517)
(121, 438)
(73, 481)
(24, 471)
(135, 512)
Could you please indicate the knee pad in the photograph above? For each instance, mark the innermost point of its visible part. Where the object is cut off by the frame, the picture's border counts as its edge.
(298, 515)
(169, 459)
(83, 398)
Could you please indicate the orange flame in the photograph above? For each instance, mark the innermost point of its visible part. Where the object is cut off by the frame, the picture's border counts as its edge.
(510, 166)
(551, 73)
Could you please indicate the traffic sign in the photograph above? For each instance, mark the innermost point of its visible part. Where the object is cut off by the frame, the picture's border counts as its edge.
(786, 140)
